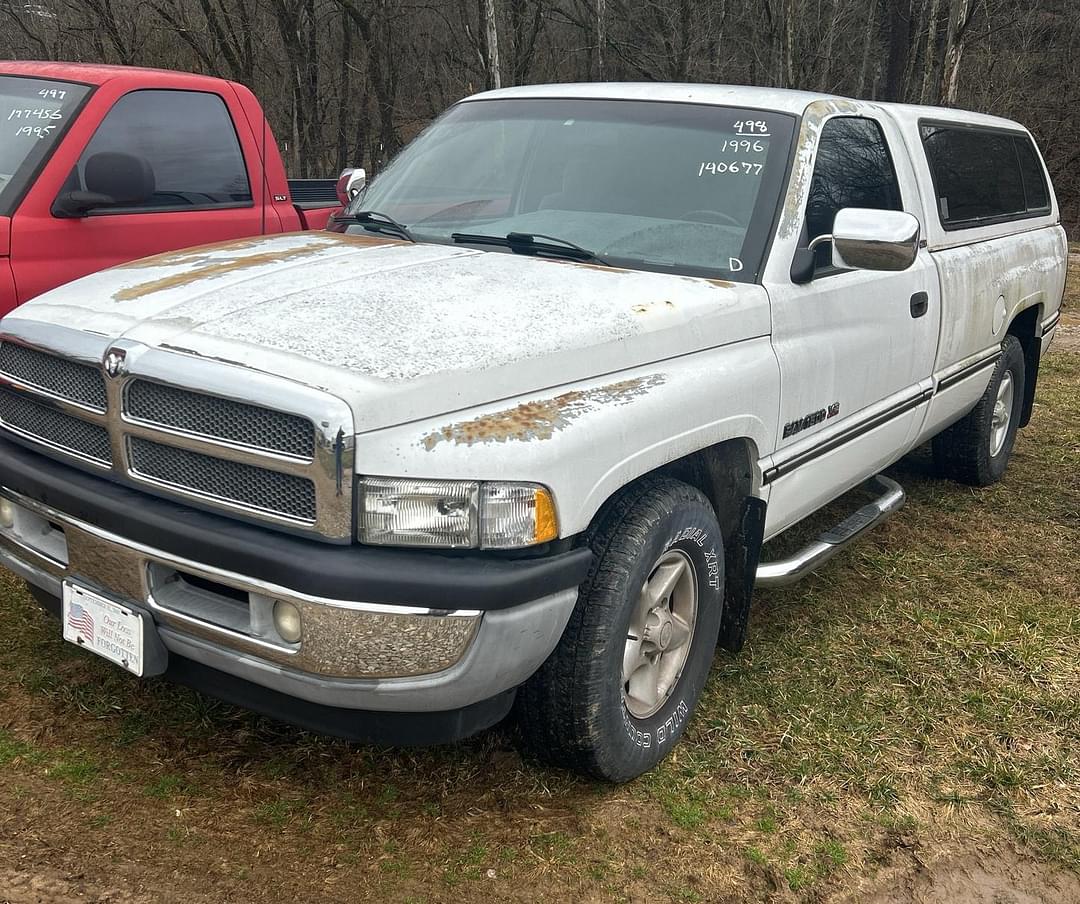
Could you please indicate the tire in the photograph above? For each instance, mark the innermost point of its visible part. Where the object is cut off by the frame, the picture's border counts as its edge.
(976, 450)
(578, 711)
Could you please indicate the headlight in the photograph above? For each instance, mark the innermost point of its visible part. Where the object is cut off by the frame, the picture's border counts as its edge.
(454, 514)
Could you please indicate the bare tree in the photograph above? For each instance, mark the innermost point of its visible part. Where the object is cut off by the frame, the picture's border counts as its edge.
(960, 15)
(349, 81)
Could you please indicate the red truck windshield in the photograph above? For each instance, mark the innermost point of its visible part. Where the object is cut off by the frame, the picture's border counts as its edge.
(33, 115)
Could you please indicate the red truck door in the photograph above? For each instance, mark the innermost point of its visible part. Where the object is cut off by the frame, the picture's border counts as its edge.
(7, 281)
(184, 172)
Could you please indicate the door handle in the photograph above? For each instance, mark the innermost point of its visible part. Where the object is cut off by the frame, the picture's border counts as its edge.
(920, 304)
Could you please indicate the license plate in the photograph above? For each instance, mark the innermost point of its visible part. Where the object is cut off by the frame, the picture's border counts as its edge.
(98, 624)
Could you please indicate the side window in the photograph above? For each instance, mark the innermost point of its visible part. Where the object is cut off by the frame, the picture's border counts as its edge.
(186, 147)
(1031, 169)
(853, 169)
(983, 176)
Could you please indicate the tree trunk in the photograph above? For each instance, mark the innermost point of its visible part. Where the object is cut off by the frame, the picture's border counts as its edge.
(790, 12)
(931, 57)
(899, 49)
(345, 99)
(915, 36)
(601, 9)
(491, 33)
(868, 43)
(960, 13)
(830, 44)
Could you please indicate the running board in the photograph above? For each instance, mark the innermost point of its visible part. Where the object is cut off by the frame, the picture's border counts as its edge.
(815, 554)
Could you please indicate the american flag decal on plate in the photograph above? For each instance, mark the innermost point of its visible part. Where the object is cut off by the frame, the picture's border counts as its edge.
(82, 621)
(101, 626)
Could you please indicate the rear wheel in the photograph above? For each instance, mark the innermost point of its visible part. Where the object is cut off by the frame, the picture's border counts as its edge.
(976, 449)
(615, 695)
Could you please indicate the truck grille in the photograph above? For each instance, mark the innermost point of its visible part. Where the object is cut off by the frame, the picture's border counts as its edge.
(213, 416)
(55, 428)
(282, 454)
(232, 482)
(56, 376)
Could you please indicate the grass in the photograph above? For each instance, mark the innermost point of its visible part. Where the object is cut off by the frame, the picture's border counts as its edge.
(921, 693)
(1072, 283)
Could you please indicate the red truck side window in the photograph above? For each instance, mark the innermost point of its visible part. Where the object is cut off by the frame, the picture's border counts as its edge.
(187, 141)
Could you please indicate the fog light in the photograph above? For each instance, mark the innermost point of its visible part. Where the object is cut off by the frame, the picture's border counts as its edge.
(7, 513)
(287, 621)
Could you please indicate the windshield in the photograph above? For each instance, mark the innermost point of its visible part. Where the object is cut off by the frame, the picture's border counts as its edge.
(674, 187)
(33, 114)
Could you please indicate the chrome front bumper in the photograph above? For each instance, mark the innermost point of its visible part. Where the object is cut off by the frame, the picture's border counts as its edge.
(356, 655)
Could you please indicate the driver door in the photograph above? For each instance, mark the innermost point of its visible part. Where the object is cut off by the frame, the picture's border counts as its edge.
(201, 194)
(855, 347)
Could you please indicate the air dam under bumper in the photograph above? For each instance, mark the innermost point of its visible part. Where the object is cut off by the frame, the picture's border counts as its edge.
(416, 632)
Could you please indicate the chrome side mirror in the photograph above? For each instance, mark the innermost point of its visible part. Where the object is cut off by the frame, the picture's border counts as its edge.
(349, 184)
(864, 239)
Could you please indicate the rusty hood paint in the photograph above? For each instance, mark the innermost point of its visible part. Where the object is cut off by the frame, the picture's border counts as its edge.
(402, 331)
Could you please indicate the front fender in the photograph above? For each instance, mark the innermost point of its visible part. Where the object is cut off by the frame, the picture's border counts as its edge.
(587, 440)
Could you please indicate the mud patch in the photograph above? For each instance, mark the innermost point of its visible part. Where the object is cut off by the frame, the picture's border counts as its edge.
(999, 876)
(540, 419)
(1067, 338)
(207, 262)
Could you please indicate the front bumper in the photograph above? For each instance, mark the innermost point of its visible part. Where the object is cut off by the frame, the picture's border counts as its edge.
(408, 631)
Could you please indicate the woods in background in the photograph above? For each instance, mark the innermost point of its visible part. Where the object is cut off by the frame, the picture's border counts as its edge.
(347, 82)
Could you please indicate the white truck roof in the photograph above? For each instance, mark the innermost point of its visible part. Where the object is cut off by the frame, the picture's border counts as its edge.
(779, 99)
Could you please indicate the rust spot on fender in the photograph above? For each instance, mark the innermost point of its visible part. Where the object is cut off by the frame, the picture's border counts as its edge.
(542, 418)
(208, 261)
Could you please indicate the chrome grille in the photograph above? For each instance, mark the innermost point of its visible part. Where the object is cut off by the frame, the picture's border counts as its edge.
(57, 376)
(213, 416)
(55, 428)
(213, 434)
(283, 495)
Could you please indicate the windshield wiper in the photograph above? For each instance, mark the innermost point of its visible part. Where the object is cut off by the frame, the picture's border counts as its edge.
(531, 243)
(373, 221)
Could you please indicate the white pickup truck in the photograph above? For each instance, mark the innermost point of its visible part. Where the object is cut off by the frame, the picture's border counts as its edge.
(518, 428)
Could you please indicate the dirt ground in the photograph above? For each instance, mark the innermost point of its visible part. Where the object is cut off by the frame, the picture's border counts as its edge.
(1068, 334)
(1000, 876)
(976, 877)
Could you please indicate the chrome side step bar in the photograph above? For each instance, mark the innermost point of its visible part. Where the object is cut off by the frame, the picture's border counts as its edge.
(815, 554)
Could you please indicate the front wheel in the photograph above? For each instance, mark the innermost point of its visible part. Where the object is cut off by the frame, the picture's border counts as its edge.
(976, 449)
(616, 694)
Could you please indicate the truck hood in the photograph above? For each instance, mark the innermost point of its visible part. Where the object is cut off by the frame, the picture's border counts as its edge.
(403, 331)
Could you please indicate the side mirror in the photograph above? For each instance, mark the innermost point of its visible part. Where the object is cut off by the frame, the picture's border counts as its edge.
(865, 239)
(71, 204)
(113, 179)
(349, 184)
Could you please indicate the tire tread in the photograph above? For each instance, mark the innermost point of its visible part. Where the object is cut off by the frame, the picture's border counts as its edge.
(961, 452)
(555, 717)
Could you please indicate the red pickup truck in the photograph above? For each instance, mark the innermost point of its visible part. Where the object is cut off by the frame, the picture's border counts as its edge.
(100, 165)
